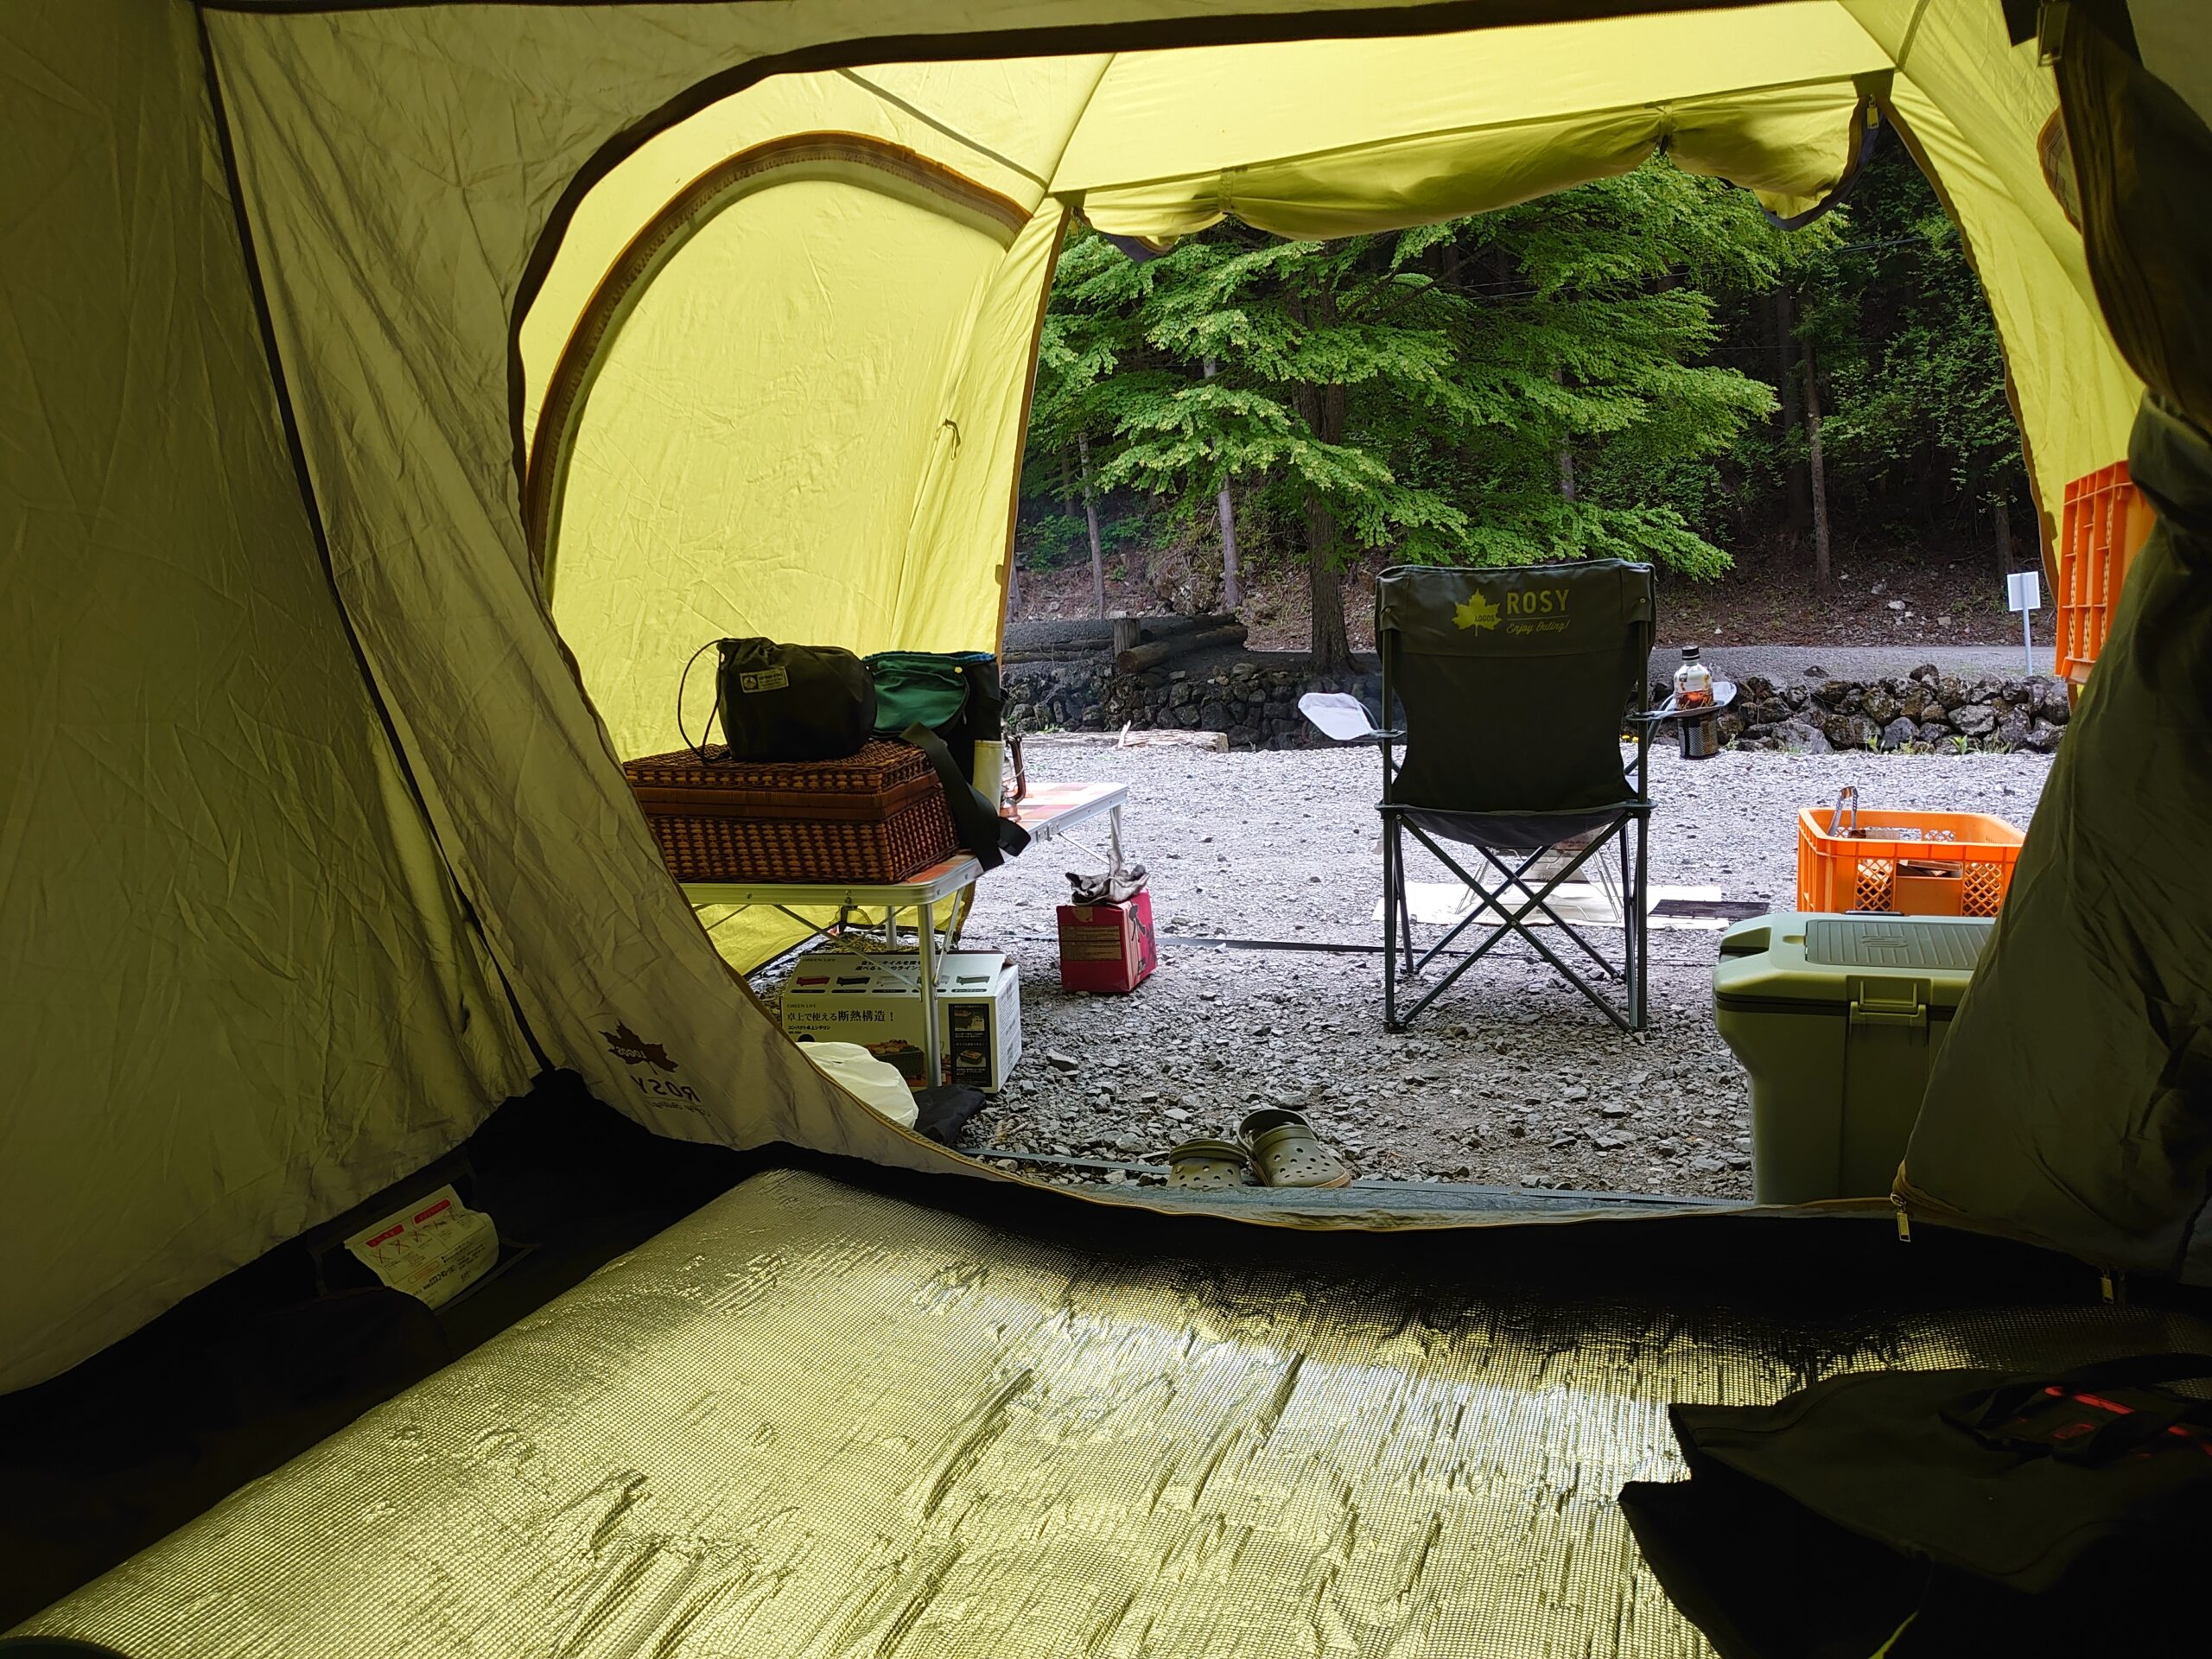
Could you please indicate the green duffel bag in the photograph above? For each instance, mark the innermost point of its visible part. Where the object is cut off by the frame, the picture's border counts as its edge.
(949, 704)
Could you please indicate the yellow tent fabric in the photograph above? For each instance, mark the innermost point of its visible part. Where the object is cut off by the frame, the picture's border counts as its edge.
(325, 843)
(240, 992)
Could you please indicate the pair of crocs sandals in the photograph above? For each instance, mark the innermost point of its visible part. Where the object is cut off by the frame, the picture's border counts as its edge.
(1275, 1147)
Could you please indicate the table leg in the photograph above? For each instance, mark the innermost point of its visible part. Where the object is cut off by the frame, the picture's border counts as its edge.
(933, 1039)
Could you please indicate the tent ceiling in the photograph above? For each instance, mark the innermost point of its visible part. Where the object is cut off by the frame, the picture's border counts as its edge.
(1291, 137)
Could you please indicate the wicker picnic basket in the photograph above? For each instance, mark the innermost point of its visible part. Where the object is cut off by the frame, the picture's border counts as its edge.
(876, 815)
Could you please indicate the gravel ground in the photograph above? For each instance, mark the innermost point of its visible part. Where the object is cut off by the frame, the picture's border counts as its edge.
(1790, 664)
(1510, 1079)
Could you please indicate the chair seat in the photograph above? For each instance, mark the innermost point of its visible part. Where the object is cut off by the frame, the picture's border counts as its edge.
(1515, 831)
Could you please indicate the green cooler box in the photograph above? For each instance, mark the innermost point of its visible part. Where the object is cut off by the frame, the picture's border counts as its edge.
(1837, 1019)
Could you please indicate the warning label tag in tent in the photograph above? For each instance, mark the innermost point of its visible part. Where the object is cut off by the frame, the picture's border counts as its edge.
(433, 1249)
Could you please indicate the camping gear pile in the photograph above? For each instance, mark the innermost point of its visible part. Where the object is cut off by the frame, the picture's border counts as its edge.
(1838, 1010)
(833, 767)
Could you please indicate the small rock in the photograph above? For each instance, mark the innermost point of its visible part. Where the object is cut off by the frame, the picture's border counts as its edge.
(1609, 1143)
(1148, 1096)
(1737, 1160)
(1575, 1092)
(1816, 672)
(1614, 1109)
(1704, 1166)
(2043, 737)
(1058, 1061)
(1178, 1114)
(1896, 604)
(1898, 733)
(1925, 672)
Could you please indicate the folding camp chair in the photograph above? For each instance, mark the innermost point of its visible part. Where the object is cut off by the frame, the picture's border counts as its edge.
(1516, 685)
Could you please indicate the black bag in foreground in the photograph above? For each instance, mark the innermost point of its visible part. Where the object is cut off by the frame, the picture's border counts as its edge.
(786, 703)
(1951, 1512)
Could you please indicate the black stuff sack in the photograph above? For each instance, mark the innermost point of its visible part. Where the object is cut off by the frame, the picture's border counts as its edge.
(786, 703)
(1943, 1513)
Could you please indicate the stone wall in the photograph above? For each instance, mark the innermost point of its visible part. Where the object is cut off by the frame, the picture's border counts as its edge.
(1921, 711)
(1253, 698)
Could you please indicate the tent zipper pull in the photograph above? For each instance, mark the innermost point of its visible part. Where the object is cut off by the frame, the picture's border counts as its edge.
(2114, 1282)
(1904, 1220)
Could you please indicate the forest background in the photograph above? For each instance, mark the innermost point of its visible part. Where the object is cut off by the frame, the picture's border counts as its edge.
(1807, 431)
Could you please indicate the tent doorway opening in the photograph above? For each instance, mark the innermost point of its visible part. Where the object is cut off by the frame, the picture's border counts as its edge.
(774, 381)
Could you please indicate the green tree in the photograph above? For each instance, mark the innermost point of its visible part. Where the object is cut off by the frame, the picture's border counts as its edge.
(1913, 377)
(1521, 385)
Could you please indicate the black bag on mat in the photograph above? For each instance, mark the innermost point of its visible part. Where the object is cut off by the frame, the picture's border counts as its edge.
(1951, 1512)
(786, 703)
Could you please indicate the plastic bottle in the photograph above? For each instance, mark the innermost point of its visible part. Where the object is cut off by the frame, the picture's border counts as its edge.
(1693, 682)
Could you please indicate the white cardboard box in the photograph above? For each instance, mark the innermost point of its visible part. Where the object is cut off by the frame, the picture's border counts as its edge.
(876, 1002)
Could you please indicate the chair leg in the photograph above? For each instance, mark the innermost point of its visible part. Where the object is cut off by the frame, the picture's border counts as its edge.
(1391, 883)
(1631, 902)
(1639, 926)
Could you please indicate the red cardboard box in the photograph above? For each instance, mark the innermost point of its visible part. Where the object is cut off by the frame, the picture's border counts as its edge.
(1107, 947)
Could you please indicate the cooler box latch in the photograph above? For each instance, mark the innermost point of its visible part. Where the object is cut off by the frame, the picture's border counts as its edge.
(1890, 1002)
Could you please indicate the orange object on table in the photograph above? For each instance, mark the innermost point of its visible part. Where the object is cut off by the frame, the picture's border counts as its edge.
(1920, 875)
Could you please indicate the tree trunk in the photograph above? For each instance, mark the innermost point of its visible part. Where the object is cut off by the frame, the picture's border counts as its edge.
(1013, 585)
(1067, 485)
(1564, 455)
(1322, 408)
(1819, 476)
(1090, 514)
(2003, 509)
(1331, 644)
(1797, 489)
(1231, 588)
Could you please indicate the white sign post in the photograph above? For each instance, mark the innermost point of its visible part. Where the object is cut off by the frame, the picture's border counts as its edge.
(2024, 593)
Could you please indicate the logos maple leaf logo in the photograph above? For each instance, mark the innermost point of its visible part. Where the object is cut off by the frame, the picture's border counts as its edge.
(625, 1045)
(1476, 613)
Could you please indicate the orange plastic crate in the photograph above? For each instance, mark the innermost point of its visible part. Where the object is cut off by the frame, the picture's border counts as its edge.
(1839, 873)
(2106, 523)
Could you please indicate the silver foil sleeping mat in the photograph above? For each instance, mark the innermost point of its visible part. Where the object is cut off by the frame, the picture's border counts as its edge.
(810, 1420)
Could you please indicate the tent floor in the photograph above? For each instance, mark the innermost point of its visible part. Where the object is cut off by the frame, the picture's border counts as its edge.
(819, 1417)
(113, 1453)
